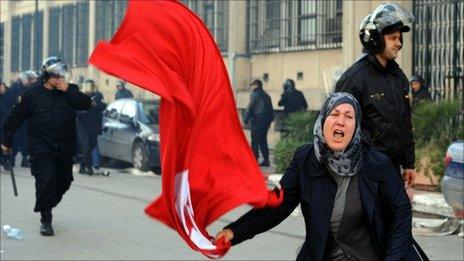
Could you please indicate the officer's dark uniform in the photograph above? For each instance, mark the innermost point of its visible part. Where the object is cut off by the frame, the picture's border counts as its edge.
(293, 101)
(89, 124)
(261, 114)
(51, 137)
(386, 112)
(20, 137)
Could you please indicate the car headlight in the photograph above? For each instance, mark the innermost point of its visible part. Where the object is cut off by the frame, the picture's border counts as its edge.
(154, 137)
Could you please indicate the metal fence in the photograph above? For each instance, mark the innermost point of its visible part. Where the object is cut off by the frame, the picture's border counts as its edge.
(438, 45)
(279, 25)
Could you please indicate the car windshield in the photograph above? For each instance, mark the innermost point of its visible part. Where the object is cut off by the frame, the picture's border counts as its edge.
(149, 113)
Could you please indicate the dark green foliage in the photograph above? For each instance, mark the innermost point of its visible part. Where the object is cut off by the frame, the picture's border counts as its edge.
(435, 127)
(299, 128)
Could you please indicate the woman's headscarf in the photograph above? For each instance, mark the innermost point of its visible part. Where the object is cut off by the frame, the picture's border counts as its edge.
(346, 162)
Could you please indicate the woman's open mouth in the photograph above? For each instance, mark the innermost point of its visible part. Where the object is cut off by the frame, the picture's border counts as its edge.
(338, 134)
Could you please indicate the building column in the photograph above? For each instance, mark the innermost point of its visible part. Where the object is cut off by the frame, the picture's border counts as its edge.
(46, 25)
(239, 65)
(91, 71)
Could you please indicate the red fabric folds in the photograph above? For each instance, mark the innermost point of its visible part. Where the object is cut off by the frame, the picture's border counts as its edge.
(208, 167)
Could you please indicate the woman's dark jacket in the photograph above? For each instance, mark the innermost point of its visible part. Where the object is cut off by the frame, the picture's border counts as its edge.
(385, 204)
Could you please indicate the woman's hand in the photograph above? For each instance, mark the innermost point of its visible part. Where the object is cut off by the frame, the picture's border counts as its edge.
(228, 234)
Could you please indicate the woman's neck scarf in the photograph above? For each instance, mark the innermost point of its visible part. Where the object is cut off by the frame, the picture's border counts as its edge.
(346, 162)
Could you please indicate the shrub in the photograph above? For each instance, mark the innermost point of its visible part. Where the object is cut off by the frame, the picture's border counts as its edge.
(299, 130)
(435, 127)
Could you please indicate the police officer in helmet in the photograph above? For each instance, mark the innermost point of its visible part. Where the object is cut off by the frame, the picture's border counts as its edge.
(50, 110)
(89, 126)
(381, 87)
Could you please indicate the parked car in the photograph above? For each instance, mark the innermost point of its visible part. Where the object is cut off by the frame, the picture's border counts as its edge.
(452, 184)
(130, 133)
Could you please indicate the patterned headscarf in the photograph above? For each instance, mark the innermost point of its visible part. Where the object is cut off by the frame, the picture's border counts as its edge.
(346, 162)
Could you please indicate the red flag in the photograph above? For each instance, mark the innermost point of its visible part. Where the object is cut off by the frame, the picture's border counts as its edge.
(208, 167)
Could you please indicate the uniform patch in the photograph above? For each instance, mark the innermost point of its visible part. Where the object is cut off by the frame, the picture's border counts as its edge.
(20, 98)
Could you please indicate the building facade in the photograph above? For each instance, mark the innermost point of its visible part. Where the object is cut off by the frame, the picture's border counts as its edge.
(309, 41)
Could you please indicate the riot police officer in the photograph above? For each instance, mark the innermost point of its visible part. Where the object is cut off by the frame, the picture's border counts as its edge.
(89, 125)
(381, 87)
(50, 108)
(20, 138)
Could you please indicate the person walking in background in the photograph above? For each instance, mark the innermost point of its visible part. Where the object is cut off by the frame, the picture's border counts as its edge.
(96, 157)
(260, 114)
(292, 100)
(122, 92)
(381, 87)
(89, 124)
(50, 108)
(419, 90)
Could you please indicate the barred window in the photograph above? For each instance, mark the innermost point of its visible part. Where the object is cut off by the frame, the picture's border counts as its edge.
(108, 16)
(54, 32)
(215, 14)
(82, 34)
(26, 42)
(15, 42)
(68, 37)
(38, 43)
(278, 25)
(67, 33)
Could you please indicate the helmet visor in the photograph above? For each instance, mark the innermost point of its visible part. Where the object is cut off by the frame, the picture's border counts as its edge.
(387, 15)
(58, 70)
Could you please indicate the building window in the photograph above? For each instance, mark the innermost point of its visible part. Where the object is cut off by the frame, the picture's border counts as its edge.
(1, 50)
(82, 34)
(15, 41)
(23, 44)
(215, 14)
(108, 17)
(38, 43)
(68, 37)
(278, 25)
(26, 42)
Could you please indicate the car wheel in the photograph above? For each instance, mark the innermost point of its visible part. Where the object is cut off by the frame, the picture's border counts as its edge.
(140, 157)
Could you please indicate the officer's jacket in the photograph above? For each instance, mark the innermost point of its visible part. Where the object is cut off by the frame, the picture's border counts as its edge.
(386, 111)
(91, 119)
(260, 107)
(51, 119)
(293, 101)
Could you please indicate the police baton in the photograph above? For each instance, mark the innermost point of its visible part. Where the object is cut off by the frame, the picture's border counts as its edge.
(13, 180)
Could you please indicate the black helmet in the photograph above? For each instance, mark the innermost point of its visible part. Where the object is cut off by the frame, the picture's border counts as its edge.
(386, 18)
(89, 86)
(54, 67)
(257, 82)
(289, 85)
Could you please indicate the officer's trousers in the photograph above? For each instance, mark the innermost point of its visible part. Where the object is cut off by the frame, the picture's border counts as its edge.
(259, 131)
(53, 177)
(87, 142)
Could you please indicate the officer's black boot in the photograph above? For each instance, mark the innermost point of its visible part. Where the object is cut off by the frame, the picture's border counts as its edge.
(82, 169)
(265, 163)
(46, 228)
(90, 171)
(25, 163)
